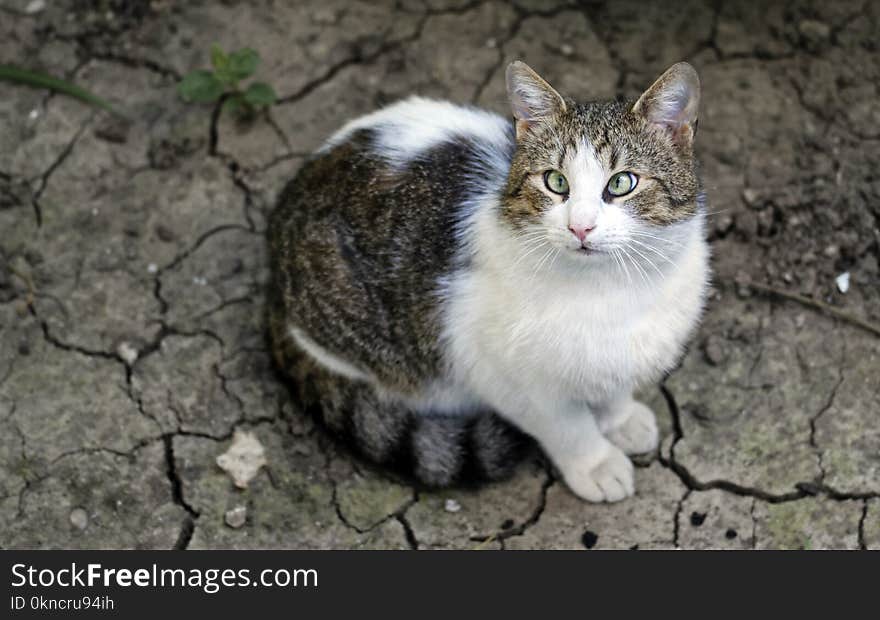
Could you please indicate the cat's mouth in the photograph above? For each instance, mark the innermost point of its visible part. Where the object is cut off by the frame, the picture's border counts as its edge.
(587, 250)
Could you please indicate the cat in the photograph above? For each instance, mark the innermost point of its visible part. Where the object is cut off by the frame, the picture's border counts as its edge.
(446, 282)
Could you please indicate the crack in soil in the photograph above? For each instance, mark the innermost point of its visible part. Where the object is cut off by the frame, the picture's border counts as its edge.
(863, 545)
(803, 489)
(188, 526)
(533, 519)
(676, 518)
(47, 174)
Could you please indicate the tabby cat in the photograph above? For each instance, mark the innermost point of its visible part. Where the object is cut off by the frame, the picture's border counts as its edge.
(446, 281)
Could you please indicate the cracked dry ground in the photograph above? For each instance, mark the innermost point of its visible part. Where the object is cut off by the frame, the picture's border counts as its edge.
(132, 263)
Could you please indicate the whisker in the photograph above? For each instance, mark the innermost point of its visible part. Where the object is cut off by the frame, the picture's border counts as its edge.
(649, 261)
(616, 258)
(718, 211)
(654, 250)
(541, 262)
(555, 256)
(530, 237)
(626, 269)
(531, 234)
(531, 248)
(639, 233)
(637, 267)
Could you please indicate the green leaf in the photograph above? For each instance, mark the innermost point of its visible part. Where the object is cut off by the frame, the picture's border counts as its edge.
(200, 86)
(259, 95)
(36, 79)
(219, 59)
(243, 63)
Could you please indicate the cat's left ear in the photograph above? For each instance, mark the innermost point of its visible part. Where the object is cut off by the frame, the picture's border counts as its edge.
(672, 103)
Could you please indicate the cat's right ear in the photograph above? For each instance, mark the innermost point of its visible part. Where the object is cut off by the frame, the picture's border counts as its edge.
(531, 97)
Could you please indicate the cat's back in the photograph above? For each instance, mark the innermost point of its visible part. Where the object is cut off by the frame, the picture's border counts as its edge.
(421, 159)
(373, 223)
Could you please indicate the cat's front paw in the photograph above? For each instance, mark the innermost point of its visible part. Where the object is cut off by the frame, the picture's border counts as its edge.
(609, 480)
(637, 433)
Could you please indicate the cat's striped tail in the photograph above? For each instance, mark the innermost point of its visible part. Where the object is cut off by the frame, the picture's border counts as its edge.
(437, 450)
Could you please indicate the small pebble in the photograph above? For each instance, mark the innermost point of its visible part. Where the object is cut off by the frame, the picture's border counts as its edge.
(35, 6)
(236, 517)
(127, 352)
(713, 349)
(33, 114)
(152, 268)
(566, 49)
(244, 459)
(843, 282)
(452, 506)
(79, 518)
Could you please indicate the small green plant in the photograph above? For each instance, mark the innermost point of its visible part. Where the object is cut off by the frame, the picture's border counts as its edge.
(223, 82)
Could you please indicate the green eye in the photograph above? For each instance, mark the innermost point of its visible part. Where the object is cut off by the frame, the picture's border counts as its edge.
(556, 182)
(622, 183)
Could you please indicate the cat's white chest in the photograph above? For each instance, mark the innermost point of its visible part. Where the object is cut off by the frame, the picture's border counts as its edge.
(589, 344)
(573, 340)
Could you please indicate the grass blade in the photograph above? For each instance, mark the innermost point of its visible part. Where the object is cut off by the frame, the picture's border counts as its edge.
(41, 80)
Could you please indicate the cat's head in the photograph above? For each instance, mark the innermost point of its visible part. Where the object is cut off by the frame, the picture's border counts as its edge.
(602, 181)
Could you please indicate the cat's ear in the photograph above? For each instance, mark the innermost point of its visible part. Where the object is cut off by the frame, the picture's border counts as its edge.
(672, 103)
(531, 97)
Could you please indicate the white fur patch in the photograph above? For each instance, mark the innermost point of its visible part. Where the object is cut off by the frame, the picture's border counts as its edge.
(328, 360)
(576, 328)
(414, 125)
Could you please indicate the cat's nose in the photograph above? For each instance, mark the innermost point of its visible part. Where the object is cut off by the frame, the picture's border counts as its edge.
(580, 231)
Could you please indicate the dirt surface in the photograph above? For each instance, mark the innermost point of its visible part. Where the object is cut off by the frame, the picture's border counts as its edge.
(132, 262)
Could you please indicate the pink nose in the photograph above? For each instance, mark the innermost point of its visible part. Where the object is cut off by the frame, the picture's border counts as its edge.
(580, 231)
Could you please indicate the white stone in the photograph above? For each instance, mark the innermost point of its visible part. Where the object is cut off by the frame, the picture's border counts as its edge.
(244, 458)
(236, 517)
(79, 518)
(35, 6)
(127, 352)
